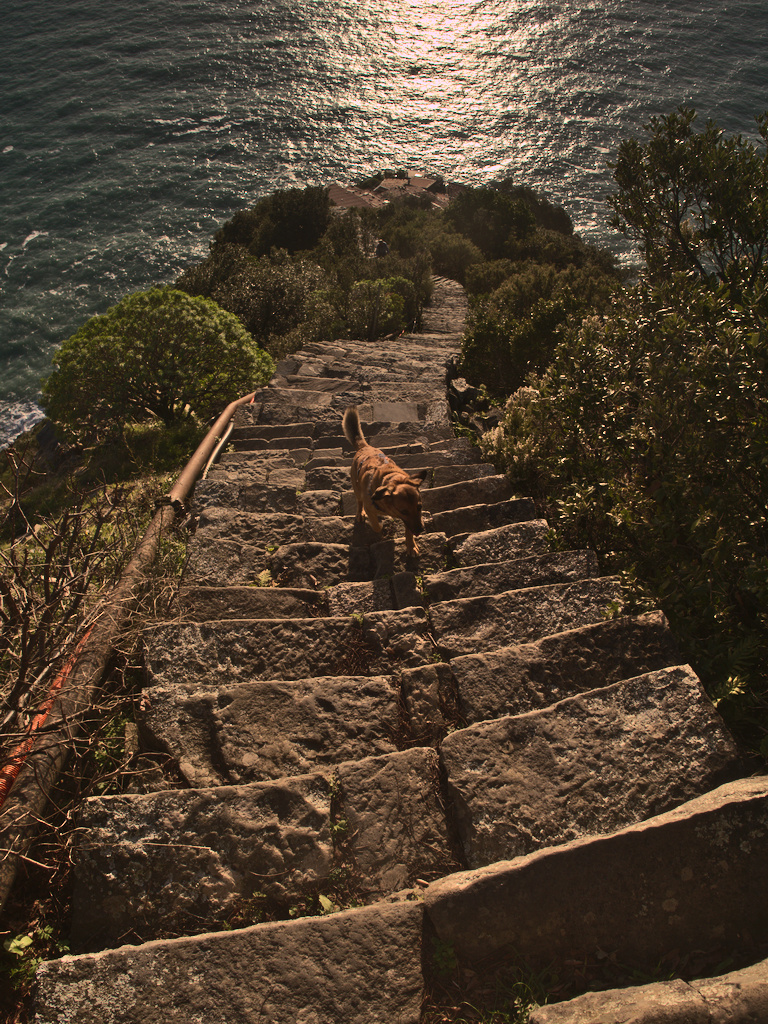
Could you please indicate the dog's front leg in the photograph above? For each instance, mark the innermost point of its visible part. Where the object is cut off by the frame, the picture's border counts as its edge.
(411, 547)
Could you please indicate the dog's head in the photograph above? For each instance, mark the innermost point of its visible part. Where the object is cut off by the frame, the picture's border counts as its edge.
(403, 501)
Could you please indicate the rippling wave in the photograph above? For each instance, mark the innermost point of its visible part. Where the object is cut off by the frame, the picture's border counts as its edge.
(132, 130)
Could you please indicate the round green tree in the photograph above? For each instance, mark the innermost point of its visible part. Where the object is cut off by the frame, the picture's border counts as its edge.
(157, 353)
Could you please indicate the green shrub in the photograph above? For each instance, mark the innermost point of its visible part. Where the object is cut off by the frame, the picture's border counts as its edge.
(695, 200)
(648, 431)
(294, 220)
(514, 331)
(272, 296)
(491, 220)
(157, 353)
(376, 308)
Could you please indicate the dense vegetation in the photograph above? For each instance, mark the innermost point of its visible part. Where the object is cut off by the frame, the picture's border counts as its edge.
(158, 354)
(647, 432)
(321, 278)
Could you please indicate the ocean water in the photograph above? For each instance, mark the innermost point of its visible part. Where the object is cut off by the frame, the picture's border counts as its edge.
(129, 131)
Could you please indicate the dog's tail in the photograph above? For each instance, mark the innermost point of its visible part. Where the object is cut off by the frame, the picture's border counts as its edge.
(350, 424)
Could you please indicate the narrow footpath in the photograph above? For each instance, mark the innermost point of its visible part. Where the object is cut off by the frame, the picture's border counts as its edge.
(395, 762)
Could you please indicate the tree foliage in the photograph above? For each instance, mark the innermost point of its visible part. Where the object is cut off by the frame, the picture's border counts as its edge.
(294, 219)
(648, 434)
(156, 353)
(514, 330)
(271, 295)
(695, 200)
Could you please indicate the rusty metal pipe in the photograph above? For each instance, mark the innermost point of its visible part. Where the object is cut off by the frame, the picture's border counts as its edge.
(42, 760)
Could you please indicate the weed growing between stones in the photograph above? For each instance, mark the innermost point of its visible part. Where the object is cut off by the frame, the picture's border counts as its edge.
(356, 651)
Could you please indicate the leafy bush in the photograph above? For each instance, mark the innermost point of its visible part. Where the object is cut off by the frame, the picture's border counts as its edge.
(376, 307)
(649, 432)
(294, 220)
(157, 353)
(545, 213)
(490, 219)
(514, 331)
(272, 296)
(695, 200)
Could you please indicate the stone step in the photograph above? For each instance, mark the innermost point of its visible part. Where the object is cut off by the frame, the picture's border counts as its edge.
(210, 654)
(438, 478)
(516, 574)
(202, 604)
(527, 677)
(228, 561)
(692, 878)
(501, 543)
(272, 843)
(396, 591)
(472, 492)
(475, 624)
(362, 966)
(246, 443)
(224, 732)
(234, 547)
(245, 428)
(587, 765)
(739, 997)
(460, 522)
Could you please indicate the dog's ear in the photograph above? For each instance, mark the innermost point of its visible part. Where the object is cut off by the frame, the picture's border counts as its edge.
(380, 492)
(418, 478)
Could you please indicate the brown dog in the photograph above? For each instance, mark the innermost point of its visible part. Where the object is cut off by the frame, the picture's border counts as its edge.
(381, 487)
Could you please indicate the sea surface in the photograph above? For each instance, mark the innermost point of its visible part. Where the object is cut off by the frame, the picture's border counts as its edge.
(130, 130)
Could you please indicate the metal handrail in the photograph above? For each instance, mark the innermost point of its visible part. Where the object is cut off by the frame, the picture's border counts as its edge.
(36, 764)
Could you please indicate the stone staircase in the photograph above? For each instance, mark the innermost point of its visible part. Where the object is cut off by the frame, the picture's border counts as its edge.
(381, 756)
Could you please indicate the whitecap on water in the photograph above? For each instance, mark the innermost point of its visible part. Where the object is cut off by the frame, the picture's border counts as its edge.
(32, 236)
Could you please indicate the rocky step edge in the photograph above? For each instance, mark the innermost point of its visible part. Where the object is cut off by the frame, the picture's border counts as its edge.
(587, 765)
(690, 878)
(231, 547)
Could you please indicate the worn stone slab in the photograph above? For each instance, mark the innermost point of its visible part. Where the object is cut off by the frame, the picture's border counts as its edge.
(454, 473)
(270, 529)
(332, 478)
(310, 564)
(268, 602)
(241, 650)
(398, 591)
(430, 697)
(254, 732)
(514, 680)
(692, 878)
(186, 859)
(333, 385)
(361, 966)
(246, 425)
(666, 1002)
(389, 555)
(256, 466)
(395, 820)
(319, 503)
(518, 574)
(226, 490)
(474, 518)
(589, 764)
(503, 543)
(475, 624)
(465, 493)
(739, 997)
(232, 547)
